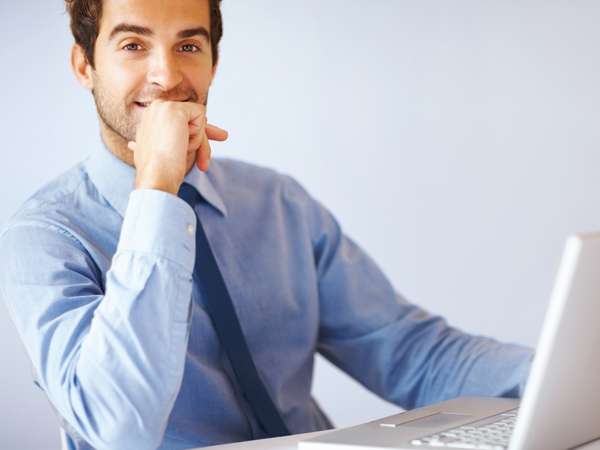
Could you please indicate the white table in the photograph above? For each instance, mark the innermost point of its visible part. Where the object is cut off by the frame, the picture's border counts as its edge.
(291, 442)
(281, 443)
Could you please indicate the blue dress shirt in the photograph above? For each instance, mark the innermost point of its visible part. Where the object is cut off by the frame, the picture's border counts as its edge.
(97, 278)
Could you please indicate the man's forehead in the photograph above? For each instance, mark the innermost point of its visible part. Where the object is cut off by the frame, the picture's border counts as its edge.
(155, 14)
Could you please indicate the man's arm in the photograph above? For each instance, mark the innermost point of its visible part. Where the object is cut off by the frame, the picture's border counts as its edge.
(110, 356)
(393, 347)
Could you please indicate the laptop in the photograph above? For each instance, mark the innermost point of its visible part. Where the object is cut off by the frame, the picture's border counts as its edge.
(560, 408)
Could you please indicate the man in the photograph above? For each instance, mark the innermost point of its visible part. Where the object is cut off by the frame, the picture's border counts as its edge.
(118, 274)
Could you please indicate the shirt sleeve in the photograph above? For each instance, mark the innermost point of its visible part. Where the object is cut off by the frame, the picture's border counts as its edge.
(391, 346)
(110, 358)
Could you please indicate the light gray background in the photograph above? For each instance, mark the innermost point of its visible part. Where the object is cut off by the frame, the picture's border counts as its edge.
(456, 141)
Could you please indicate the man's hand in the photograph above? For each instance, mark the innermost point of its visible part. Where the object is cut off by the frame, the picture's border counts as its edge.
(168, 134)
(210, 132)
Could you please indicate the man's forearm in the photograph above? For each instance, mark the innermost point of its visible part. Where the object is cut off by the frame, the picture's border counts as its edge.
(135, 352)
(111, 361)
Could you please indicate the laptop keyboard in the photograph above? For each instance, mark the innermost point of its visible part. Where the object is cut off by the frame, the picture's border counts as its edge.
(491, 434)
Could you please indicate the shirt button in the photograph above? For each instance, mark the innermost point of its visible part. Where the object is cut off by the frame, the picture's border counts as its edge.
(190, 229)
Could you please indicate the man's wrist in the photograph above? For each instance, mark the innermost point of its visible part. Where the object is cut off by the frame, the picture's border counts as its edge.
(157, 185)
(156, 222)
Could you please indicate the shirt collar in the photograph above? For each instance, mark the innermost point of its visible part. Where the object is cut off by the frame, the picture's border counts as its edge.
(115, 180)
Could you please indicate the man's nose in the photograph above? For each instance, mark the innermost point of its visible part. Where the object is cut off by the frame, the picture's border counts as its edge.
(164, 71)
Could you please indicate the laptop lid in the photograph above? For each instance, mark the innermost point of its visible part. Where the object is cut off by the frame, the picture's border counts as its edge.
(561, 405)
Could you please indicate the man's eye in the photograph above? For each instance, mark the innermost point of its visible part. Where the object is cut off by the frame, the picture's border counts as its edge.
(132, 47)
(190, 48)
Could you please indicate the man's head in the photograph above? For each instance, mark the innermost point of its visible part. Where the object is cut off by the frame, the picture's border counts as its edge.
(131, 52)
(85, 23)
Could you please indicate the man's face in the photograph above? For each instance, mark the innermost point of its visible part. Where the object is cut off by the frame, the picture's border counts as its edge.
(146, 50)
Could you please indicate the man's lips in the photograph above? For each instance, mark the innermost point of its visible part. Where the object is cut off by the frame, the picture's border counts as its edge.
(142, 104)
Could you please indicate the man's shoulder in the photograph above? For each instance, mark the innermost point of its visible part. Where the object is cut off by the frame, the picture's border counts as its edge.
(236, 171)
(56, 202)
(234, 178)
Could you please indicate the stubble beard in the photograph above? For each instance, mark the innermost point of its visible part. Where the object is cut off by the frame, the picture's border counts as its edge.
(114, 115)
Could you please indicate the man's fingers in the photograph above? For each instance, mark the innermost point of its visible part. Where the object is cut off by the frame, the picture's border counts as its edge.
(198, 126)
(204, 154)
(195, 111)
(215, 133)
(195, 142)
(200, 132)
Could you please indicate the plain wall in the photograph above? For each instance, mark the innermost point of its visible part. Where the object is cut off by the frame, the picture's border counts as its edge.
(457, 142)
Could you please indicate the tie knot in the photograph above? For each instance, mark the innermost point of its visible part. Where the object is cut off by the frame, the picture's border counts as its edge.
(189, 194)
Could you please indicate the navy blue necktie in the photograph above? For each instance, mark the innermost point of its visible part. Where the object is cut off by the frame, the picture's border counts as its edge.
(227, 326)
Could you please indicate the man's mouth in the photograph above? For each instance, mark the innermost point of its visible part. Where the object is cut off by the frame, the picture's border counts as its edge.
(146, 104)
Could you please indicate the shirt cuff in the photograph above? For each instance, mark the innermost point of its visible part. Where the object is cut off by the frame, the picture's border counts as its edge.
(159, 223)
(526, 370)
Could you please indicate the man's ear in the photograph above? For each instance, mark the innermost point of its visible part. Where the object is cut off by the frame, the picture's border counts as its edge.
(81, 67)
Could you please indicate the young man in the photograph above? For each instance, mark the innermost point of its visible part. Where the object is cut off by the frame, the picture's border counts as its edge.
(170, 303)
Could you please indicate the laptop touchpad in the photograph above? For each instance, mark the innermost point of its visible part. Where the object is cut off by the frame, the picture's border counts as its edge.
(432, 421)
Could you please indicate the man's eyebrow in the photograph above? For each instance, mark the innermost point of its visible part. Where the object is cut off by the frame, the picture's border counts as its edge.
(145, 31)
(198, 31)
(130, 28)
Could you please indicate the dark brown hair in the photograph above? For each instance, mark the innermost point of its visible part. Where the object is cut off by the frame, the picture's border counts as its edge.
(85, 25)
